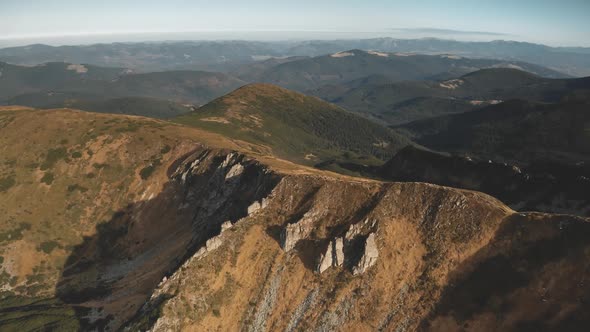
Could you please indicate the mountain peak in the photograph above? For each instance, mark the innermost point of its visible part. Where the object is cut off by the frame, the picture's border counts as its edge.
(250, 94)
(303, 127)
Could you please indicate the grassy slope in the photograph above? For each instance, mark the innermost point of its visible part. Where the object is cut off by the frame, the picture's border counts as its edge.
(295, 126)
(403, 102)
(514, 130)
(62, 173)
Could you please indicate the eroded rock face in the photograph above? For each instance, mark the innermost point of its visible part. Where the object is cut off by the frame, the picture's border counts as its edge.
(293, 233)
(339, 252)
(393, 256)
(369, 257)
(333, 257)
(208, 190)
(257, 205)
(226, 225)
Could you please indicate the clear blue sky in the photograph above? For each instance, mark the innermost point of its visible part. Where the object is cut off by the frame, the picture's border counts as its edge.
(554, 22)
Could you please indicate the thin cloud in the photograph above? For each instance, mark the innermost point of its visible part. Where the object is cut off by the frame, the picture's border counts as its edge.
(435, 31)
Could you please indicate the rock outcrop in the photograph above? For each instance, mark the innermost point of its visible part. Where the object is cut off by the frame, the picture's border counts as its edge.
(369, 256)
(293, 233)
(333, 257)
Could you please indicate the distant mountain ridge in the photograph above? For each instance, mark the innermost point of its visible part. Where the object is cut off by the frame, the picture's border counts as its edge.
(402, 102)
(222, 55)
(516, 130)
(345, 66)
(541, 186)
(60, 84)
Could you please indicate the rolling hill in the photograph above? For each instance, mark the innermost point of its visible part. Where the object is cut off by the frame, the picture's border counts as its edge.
(516, 130)
(403, 102)
(295, 126)
(143, 106)
(341, 67)
(66, 85)
(363, 82)
(17, 80)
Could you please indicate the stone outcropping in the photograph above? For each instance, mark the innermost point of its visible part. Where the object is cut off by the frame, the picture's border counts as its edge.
(369, 257)
(293, 233)
(257, 205)
(333, 257)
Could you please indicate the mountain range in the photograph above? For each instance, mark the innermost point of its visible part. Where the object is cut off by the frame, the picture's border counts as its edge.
(294, 186)
(225, 55)
(395, 103)
(121, 222)
(342, 67)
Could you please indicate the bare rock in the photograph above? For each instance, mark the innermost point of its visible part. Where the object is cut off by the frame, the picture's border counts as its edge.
(258, 205)
(333, 257)
(292, 234)
(213, 243)
(339, 252)
(226, 225)
(254, 207)
(360, 228)
(235, 170)
(353, 231)
(327, 259)
(369, 257)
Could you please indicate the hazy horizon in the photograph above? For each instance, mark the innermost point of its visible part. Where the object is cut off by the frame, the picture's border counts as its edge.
(67, 22)
(253, 36)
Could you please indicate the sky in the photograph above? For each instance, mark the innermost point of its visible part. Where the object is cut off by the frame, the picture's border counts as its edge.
(551, 22)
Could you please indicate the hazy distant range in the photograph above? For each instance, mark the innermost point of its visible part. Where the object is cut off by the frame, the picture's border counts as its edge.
(215, 51)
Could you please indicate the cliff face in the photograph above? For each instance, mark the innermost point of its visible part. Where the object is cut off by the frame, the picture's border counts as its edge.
(110, 274)
(327, 254)
(206, 235)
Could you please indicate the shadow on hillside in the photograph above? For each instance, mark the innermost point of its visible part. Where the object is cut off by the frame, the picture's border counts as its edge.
(110, 275)
(531, 277)
(545, 186)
